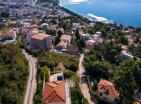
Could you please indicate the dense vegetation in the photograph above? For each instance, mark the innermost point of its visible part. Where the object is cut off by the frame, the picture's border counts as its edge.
(13, 74)
(75, 92)
(53, 62)
(104, 62)
(77, 96)
(4, 14)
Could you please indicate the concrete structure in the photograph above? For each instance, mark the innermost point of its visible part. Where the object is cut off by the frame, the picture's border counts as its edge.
(26, 25)
(57, 76)
(30, 33)
(11, 35)
(107, 91)
(66, 39)
(61, 45)
(44, 26)
(125, 52)
(73, 49)
(89, 44)
(41, 41)
(92, 40)
(75, 26)
(64, 42)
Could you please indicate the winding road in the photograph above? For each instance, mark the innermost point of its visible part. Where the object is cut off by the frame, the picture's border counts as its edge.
(83, 86)
(31, 84)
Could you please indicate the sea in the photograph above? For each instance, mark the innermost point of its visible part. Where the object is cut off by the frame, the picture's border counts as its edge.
(125, 12)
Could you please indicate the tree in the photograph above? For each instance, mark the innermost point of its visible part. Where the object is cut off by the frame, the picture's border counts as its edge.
(81, 44)
(124, 80)
(94, 54)
(9, 97)
(137, 72)
(59, 33)
(138, 51)
(38, 99)
(99, 69)
(13, 74)
(111, 52)
(57, 40)
(54, 21)
(51, 32)
(76, 95)
(45, 60)
(4, 14)
(71, 66)
(77, 34)
(122, 40)
(44, 73)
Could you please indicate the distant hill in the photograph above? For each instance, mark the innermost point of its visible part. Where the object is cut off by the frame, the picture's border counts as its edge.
(51, 1)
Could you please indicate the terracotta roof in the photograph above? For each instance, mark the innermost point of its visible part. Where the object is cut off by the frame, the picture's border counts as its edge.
(40, 36)
(107, 85)
(124, 47)
(10, 33)
(61, 43)
(90, 42)
(54, 92)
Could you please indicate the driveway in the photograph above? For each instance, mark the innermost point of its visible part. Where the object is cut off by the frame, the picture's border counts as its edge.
(83, 85)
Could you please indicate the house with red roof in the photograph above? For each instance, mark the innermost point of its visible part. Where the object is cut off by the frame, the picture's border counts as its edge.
(54, 93)
(107, 91)
(9, 35)
(41, 41)
(72, 49)
(65, 41)
(30, 33)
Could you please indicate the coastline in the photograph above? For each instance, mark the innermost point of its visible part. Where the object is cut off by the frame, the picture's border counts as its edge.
(94, 18)
(89, 18)
(75, 14)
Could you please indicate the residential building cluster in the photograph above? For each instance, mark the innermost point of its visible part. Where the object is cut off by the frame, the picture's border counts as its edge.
(27, 24)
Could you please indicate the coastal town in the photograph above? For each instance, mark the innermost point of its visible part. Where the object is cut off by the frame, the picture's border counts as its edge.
(50, 55)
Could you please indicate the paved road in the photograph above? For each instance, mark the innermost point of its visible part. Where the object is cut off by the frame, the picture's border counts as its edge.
(31, 84)
(83, 86)
(68, 98)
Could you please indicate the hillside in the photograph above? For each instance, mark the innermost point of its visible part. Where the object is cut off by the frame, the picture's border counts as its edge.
(51, 1)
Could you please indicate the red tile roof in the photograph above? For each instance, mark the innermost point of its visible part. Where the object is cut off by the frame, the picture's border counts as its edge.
(10, 33)
(107, 85)
(54, 92)
(40, 36)
(61, 43)
(124, 47)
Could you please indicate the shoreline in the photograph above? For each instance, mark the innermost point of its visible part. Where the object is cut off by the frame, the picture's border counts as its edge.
(88, 18)
(76, 14)
(93, 18)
